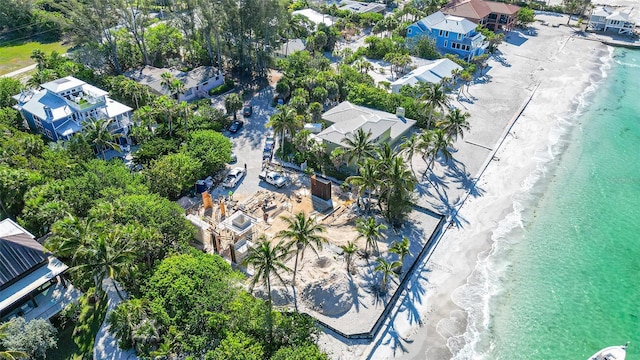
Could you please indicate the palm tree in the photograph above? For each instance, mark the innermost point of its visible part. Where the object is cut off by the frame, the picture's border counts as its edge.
(302, 232)
(177, 88)
(71, 234)
(348, 250)
(357, 146)
(367, 181)
(371, 231)
(435, 97)
(166, 80)
(387, 270)
(109, 255)
(401, 248)
(284, 121)
(455, 123)
(409, 147)
(267, 261)
(98, 134)
(440, 146)
(232, 104)
(41, 77)
(398, 184)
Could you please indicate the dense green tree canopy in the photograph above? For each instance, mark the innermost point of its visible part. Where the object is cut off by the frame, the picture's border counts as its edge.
(211, 148)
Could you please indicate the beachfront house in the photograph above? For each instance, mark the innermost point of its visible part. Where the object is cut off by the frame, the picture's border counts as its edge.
(197, 82)
(604, 18)
(346, 118)
(59, 108)
(452, 35)
(32, 284)
(493, 15)
(432, 73)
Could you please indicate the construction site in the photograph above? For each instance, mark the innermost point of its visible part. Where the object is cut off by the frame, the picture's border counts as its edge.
(230, 225)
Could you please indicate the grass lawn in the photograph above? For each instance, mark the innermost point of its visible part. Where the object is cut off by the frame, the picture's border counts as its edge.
(75, 340)
(16, 56)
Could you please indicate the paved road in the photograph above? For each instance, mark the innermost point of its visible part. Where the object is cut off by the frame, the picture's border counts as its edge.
(248, 144)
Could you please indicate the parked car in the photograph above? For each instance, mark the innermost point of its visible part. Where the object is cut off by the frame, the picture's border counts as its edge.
(233, 177)
(235, 126)
(234, 158)
(247, 111)
(274, 178)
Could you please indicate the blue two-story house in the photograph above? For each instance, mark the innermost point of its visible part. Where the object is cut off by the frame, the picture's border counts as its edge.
(452, 35)
(59, 108)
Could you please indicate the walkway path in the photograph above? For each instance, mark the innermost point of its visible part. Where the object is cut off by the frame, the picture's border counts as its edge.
(106, 345)
(19, 71)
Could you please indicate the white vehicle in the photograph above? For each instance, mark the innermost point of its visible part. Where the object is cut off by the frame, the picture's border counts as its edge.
(611, 353)
(233, 177)
(273, 178)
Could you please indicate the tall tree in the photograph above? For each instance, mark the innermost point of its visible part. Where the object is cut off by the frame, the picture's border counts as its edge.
(98, 134)
(233, 103)
(284, 122)
(435, 98)
(367, 181)
(302, 232)
(357, 146)
(409, 147)
(349, 250)
(109, 255)
(267, 262)
(455, 123)
(371, 231)
(387, 270)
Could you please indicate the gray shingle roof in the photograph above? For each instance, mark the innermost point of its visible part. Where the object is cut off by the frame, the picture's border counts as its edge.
(346, 118)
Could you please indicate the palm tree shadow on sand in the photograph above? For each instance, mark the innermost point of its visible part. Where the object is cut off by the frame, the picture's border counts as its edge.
(458, 173)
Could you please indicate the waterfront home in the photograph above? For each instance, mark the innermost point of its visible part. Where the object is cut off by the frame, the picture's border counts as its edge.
(346, 118)
(197, 82)
(431, 73)
(452, 35)
(59, 108)
(604, 18)
(32, 284)
(493, 15)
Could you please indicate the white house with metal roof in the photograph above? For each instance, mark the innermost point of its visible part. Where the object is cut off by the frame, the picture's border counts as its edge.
(31, 279)
(60, 107)
(346, 118)
(604, 18)
(452, 35)
(362, 7)
(197, 82)
(431, 73)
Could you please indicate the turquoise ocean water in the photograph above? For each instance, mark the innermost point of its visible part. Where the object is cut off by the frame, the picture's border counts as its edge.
(567, 283)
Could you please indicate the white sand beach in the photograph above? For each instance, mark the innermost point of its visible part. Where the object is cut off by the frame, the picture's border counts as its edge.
(550, 66)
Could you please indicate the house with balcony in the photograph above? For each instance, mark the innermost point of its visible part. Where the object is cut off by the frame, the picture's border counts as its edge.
(32, 283)
(493, 15)
(197, 82)
(452, 35)
(609, 19)
(59, 108)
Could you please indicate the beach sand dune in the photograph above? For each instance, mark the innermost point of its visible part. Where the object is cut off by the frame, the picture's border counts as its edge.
(547, 69)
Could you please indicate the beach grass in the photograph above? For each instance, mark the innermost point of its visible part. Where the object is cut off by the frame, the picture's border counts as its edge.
(15, 56)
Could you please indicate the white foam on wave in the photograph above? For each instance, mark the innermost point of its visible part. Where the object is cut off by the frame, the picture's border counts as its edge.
(485, 281)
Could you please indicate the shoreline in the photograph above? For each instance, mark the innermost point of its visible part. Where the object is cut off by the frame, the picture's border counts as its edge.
(445, 323)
